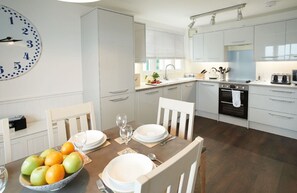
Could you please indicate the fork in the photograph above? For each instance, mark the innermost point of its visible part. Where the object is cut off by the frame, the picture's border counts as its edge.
(101, 186)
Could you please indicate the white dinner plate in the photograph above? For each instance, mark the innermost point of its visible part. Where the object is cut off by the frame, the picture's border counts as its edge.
(150, 131)
(121, 172)
(87, 148)
(140, 139)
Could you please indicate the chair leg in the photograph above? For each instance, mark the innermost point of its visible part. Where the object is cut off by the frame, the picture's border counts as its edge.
(202, 172)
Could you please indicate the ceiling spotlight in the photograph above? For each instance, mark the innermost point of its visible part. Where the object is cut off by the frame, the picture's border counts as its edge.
(213, 19)
(79, 1)
(239, 14)
(191, 24)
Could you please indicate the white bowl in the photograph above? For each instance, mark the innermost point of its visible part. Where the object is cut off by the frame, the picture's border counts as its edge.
(25, 181)
(150, 131)
(125, 169)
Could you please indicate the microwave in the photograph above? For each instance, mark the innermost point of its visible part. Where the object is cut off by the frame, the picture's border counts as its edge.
(294, 77)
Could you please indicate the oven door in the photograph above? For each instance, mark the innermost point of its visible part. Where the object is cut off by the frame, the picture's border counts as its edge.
(226, 106)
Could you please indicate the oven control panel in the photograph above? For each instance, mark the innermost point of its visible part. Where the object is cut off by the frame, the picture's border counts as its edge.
(234, 86)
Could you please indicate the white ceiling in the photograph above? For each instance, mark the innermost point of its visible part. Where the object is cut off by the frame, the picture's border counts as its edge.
(176, 13)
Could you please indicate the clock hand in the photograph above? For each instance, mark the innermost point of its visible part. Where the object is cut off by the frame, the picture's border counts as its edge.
(8, 39)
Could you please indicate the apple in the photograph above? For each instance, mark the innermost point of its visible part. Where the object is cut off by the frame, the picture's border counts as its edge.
(31, 163)
(72, 163)
(46, 152)
(37, 177)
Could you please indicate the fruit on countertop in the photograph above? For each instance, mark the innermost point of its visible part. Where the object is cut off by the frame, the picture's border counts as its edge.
(53, 158)
(73, 162)
(52, 165)
(54, 174)
(37, 177)
(31, 163)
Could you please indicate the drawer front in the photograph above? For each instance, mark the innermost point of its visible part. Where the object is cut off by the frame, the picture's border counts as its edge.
(273, 103)
(274, 91)
(276, 119)
(172, 92)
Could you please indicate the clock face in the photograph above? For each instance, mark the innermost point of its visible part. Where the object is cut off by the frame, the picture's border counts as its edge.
(20, 44)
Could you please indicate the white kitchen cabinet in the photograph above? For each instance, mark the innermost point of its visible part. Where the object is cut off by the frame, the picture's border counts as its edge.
(139, 42)
(270, 41)
(188, 92)
(239, 36)
(273, 106)
(107, 59)
(291, 40)
(208, 96)
(213, 47)
(198, 47)
(147, 102)
(111, 106)
(172, 92)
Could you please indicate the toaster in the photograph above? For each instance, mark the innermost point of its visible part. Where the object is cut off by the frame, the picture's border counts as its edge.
(280, 78)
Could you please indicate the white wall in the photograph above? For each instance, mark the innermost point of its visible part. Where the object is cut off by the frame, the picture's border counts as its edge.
(57, 78)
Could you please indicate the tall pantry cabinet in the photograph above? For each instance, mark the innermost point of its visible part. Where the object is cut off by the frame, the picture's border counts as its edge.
(107, 65)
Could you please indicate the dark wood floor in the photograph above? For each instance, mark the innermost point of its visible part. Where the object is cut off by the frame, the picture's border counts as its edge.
(241, 160)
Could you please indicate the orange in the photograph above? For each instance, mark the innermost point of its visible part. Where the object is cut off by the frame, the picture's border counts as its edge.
(67, 148)
(55, 173)
(53, 158)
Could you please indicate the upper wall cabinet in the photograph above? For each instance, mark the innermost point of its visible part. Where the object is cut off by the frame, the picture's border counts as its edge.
(208, 47)
(213, 47)
(198, 45)
(239, 36)
(291, 40)
(161, 44)
(139, 42)
(270, 41)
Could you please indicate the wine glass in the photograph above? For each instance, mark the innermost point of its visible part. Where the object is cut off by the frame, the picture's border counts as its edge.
(3, 178)
(126, 133)
(80, 139)
(121, 120)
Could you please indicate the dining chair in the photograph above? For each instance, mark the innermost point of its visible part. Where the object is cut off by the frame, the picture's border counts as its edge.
(4, 130)
(178, 174)
(177, 116)
(69, 121)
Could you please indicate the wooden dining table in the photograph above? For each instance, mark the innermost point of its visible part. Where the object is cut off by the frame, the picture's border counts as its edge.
(85, 181)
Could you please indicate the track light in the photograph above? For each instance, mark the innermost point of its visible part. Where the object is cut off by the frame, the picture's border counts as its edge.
(239, 14)
(79, 1)
(215, 12)
(213, 19)
(191, 24)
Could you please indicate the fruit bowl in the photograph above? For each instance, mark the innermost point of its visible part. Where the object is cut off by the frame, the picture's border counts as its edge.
(25, 181)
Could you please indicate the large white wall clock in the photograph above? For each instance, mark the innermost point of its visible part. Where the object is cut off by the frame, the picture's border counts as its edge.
(20, 44)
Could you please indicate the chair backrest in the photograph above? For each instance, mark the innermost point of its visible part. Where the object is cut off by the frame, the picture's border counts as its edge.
(4, 130)
(178, 116)
(178, 174)
(69, 121)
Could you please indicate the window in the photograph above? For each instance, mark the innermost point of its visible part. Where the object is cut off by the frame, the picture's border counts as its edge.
(160, 64)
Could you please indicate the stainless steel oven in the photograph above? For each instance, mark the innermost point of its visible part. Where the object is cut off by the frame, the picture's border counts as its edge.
(225, 100)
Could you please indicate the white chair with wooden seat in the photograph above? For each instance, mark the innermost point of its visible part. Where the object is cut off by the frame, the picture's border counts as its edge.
(178, 116)
(4, 131)
(176, 175)
(69, 121)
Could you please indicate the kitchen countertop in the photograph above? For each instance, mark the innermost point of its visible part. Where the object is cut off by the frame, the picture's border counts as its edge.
(144, 86)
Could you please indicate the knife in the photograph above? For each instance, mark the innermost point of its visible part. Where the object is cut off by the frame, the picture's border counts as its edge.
(167, 140)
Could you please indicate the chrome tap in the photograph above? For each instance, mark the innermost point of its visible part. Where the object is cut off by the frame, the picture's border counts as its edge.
(165, 76)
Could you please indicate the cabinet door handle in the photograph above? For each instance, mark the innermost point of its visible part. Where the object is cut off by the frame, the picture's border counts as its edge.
(118, 91)
(153, 92)
(237, 42)
(282, 91)
(281, 116)
(173, 88)
(207, 84)
(119, 99)
(188, 85)
(281, 100)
